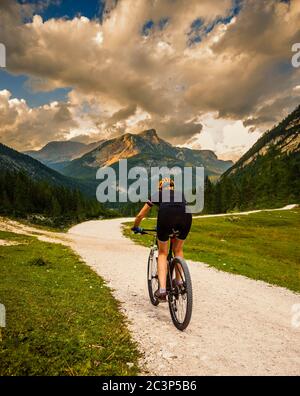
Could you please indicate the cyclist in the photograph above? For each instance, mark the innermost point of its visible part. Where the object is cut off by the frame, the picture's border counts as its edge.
(171, 217)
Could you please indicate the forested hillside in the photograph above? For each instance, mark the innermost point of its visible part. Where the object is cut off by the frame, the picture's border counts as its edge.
(267, 176)
(44, 203)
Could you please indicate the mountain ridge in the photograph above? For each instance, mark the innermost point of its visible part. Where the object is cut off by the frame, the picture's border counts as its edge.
(142, 148)
(58, 152)
(284, 142)
(267, 175)
(13, 160)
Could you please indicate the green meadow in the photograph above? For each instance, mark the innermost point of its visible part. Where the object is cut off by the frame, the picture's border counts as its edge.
(264, 245)
(61, 318)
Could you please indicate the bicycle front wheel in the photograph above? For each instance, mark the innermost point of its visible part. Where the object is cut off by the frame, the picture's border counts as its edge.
(180, 293)
(152, 277)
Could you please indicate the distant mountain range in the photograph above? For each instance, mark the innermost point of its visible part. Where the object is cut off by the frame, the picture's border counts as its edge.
(58, 153)
(283, 140)
(266, 176)
(145, 149)
(12, 160)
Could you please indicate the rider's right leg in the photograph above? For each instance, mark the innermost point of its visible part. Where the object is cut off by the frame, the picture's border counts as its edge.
(178, 252)
(162, 267)
(178, 247)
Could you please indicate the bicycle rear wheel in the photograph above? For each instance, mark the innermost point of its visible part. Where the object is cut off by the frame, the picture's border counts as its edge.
(152, 277)
(180, 296)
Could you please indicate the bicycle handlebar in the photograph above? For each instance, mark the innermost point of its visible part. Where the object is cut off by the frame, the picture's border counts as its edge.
(145, 231)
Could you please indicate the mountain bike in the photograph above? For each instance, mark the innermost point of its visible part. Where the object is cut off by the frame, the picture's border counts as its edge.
(179, 284)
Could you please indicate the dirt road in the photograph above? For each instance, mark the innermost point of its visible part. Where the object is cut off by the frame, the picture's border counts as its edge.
(239, 326)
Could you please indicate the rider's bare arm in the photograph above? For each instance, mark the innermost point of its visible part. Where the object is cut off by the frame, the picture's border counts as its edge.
(143, 213)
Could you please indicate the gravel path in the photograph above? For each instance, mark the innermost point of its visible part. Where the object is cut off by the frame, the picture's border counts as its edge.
(239, 326)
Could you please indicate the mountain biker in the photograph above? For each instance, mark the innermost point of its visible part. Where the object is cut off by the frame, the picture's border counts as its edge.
(171, 217)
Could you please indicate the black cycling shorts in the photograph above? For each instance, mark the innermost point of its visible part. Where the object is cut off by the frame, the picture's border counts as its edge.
(173, 218)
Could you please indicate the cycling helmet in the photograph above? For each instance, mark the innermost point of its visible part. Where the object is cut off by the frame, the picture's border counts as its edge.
(166, 182)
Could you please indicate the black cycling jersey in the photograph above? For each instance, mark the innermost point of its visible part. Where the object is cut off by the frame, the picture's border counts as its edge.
(172, 215)
(171, 198)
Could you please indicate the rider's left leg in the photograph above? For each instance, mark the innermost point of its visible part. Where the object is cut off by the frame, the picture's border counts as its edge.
(178, 252)
(162, 267)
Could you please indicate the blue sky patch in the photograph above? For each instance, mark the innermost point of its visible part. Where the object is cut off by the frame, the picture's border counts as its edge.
(69, 8)
(198, 30)
(148, 26)
(17, 85)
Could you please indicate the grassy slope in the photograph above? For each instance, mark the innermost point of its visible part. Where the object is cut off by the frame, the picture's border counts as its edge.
(61, 318)
(263, 245)
(28, 223)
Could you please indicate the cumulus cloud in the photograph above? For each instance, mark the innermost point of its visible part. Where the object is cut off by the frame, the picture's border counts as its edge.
(149, 64)
(25, 127)
(252, 60)
(272, 111)
(226, 138)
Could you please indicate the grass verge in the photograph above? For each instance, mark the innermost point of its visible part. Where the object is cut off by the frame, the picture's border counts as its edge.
(61, 319)
(263, 245)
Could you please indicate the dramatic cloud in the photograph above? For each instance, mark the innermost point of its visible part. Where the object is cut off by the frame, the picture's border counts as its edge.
(159, 64)
(21, 125)
(227, 139)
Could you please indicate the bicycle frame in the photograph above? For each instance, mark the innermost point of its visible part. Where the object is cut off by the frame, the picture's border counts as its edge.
(180, 295)
(169, 257)
(170, 254)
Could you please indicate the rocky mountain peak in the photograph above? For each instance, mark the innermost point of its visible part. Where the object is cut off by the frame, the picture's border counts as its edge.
(150, 134)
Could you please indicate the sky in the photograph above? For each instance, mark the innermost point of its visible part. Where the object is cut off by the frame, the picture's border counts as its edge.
(205, 74)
